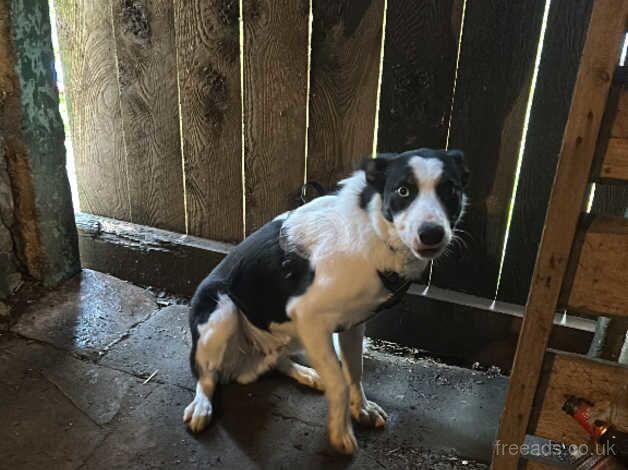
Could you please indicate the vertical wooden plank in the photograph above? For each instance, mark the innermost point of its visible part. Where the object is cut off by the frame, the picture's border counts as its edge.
(208, 67)
(275, 89)
(494, 77)
(88, 54)
(566, 28)
(608, 20)
(346, 46)
(144, 33)
(420, 51)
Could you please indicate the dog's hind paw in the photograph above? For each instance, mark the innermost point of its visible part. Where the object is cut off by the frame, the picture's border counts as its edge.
(369, 413)
(198, 414)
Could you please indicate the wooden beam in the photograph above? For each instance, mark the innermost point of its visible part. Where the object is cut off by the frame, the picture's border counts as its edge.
(606, 30)
(567, 374)
(600, 279)
(458, 328)
(146, 255)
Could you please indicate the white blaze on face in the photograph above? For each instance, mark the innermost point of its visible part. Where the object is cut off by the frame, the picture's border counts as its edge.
(426, 206)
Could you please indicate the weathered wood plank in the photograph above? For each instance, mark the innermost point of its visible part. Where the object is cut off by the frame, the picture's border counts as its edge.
(615, 164)
(208, 51)
(620, 121)
(146, 255)
(499, 45)
(600, 280)
(420, 51)
(566, 28)
(602, 43)
(146, 60)
(567, 374)
(275, 92)
(346, 41)
(88, 54)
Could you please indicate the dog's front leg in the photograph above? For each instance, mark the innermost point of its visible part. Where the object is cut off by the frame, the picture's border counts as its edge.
(365, 412)
(317, 341)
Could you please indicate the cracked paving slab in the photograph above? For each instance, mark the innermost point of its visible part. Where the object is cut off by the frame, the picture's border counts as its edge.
(87, 313)
(162, 343)
(55, 407)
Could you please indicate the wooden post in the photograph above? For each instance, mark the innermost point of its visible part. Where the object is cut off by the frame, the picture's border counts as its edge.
(31, 131)
(599, 56)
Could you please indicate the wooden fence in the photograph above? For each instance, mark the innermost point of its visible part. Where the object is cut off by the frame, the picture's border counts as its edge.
(186, 118)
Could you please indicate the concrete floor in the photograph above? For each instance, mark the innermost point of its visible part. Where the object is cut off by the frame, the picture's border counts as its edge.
(73, 394)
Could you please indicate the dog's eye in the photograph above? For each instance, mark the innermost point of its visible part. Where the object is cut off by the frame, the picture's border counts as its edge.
(448, 190)
(403, 191)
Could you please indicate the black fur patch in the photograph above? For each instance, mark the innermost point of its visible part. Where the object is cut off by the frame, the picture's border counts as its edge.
(366, 195)
(259, 276)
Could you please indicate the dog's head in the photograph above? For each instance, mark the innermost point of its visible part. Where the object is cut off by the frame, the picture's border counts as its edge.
(422, 195)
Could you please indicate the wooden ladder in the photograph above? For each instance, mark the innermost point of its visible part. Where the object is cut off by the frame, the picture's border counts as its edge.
(582, 262)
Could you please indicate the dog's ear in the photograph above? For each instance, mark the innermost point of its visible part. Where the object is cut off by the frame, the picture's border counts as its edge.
(461, 163)
(375, 171)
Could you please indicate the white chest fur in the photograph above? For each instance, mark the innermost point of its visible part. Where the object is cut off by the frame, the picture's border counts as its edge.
(346, 250)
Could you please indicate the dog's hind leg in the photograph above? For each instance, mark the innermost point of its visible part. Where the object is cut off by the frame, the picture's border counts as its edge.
(213, 338)
(302, 374)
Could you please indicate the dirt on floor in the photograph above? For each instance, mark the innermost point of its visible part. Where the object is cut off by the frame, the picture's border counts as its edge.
(95, 375)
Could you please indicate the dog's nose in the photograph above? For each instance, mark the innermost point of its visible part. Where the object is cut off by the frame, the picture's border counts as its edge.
(431, 234)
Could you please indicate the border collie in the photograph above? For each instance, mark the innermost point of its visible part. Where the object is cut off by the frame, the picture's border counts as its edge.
(324, 268)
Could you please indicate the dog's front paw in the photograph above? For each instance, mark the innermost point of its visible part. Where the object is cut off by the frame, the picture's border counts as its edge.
(369, 413)
(198, 414)
(344, 442)
(310, 378)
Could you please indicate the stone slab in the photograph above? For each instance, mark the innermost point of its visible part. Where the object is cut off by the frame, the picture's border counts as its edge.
(87, 313)
(162, 344)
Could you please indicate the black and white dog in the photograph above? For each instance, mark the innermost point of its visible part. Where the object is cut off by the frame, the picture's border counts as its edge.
(325, 267)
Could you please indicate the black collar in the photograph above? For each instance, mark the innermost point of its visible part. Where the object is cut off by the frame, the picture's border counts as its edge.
(394, 283)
